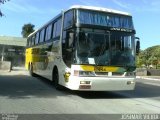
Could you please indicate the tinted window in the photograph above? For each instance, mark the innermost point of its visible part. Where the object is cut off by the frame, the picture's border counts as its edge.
(57, 28)
(29, 42)
(33, 40)
(37, 38)
(48, 32)
(68, 19)
(42, 35)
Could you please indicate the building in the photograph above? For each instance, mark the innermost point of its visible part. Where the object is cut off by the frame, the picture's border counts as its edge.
(13, 49)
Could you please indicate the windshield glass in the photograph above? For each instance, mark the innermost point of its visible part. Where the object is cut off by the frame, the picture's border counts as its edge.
(122, 49)
(105, 49)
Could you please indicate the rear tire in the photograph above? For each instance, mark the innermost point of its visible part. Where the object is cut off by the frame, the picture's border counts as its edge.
(31, 70)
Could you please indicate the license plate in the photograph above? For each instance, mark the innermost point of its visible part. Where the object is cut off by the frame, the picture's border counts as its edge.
(85, 87)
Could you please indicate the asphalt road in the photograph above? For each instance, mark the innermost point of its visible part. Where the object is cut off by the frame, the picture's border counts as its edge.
(22, 94)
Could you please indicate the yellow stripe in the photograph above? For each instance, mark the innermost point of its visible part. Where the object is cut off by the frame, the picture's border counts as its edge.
(99, 68)
(87, 67)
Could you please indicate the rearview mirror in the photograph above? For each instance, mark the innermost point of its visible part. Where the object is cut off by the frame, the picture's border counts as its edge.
(137, 45)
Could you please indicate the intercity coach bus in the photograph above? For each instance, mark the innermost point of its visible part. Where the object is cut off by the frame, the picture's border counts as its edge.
(85, 48)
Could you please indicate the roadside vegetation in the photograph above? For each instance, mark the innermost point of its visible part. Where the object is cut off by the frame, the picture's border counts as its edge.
(27, 29)
(149, 58)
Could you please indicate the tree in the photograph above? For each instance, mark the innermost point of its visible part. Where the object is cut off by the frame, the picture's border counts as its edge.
(157, 56)
(150, 56)
(155, 61)
(2, 2)
(139, 61)
(27, 29)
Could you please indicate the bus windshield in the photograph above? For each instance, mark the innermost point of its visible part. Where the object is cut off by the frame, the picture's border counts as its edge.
(106, 49)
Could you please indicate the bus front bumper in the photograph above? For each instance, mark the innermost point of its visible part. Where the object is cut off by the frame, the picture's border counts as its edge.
(101, 83)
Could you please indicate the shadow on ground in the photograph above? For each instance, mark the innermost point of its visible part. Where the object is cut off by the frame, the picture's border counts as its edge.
(21, 86)
(25, 87)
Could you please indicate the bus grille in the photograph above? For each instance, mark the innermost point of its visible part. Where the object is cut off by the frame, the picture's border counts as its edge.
(101, 73)
(117, 73)
(107, 74)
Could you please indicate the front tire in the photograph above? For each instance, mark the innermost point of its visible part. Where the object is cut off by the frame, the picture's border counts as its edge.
(55, 79)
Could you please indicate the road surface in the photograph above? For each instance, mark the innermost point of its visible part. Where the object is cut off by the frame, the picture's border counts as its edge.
(23, 94)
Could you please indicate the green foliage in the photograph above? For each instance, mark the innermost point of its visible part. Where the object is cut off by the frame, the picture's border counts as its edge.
(27, 29)
(150, 56)
(139, 61)
(2, 2)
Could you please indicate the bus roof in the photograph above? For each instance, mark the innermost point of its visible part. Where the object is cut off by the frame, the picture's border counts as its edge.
(86, 8)
(99, 9)
(32, 33)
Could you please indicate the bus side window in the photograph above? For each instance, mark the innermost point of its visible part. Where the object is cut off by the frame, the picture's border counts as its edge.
(54, 29)
(42, 35)
(68, 38)
(28, 42)
(33, 40)
(69, 41)
(48, 32)
(57, 28)
(37, 38)
(68, 19)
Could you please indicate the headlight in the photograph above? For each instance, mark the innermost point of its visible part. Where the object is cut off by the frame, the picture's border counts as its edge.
(83, 73)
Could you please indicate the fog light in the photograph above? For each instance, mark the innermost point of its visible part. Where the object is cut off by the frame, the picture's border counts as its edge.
(66, 76)
(130, 82)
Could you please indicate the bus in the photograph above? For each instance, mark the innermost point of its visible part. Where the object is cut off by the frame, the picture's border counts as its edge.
(85, 48)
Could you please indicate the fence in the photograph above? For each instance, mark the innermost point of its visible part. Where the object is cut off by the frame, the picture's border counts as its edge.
(147, 72)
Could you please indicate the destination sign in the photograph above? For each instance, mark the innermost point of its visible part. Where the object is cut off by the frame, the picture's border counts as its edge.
(121, 29)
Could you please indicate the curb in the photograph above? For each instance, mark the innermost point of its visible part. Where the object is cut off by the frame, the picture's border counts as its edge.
(148, 78)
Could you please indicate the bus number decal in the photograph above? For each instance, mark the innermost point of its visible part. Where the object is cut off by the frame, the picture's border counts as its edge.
(100, 69)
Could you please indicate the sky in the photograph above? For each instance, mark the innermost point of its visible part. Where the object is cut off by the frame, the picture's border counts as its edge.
(146, 15)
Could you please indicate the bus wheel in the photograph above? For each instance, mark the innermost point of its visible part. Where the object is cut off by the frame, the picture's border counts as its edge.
(31, 70)
(55, 77)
